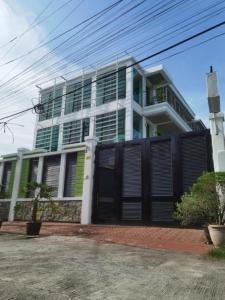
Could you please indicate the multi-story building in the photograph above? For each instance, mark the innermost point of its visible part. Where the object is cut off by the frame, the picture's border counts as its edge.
(114, 103)
(118, 102)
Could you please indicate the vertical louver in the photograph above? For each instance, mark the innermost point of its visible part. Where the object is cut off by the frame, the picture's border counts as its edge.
(141, 181)
(161, 169)
(132, 177)
(69, 187)
(106, 183)
(194, 159)
(51, 172)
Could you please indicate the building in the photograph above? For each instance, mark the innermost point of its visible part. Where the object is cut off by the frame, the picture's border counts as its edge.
(113, 103)
(130, 103)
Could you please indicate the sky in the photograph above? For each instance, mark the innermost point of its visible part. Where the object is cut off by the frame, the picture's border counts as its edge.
(31, 29)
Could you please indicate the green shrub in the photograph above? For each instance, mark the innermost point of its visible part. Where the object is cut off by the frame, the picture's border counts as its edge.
(204, 203)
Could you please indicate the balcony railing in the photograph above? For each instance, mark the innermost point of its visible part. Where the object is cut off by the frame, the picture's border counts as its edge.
(165, 94)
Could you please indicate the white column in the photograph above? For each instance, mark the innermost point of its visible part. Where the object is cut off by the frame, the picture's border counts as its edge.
(129, 105)
(1, 171)
(60, 140)
(217, 134)
(216, 119)
(93, 105)
(86, 210)
(62, 175)
(40, 169)
(16, 184)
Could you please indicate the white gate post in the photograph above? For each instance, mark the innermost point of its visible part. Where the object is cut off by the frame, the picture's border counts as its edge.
(16, 184)
(86, 210)
(216, 119)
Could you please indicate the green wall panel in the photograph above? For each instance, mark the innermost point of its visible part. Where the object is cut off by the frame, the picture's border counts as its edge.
(24, 177)
(11, 180)
(79, 174)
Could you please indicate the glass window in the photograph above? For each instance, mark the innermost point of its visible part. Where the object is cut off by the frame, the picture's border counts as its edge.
(148, 130)
(51, 106)
(79, 96)
(47, 138)
(137, 87)
(111, 87)
(148, 96)
(110, 127)
(137, 126)
(75, 131)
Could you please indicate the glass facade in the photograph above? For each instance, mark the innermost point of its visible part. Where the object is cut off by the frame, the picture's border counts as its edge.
(137, 126)
(110, 127)
(137, 87)
(47, 138)
(75, 131)
(51, 105)
(111, 87)
(78, 96)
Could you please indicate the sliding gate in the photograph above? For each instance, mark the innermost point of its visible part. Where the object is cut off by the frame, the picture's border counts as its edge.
(140, 181)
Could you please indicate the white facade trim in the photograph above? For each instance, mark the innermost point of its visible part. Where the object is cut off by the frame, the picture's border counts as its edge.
(165, 108)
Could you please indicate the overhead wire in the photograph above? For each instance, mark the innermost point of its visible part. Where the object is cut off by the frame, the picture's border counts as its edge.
(132, 64)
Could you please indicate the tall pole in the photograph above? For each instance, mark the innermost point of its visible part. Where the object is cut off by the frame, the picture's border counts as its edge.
(216, 119)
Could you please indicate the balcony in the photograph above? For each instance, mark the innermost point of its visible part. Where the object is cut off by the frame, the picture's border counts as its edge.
(166, 110)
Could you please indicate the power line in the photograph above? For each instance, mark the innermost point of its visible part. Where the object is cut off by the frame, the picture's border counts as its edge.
(172, 32)
(62, 34)
(30, 26)
(126, 67)
(67, 56)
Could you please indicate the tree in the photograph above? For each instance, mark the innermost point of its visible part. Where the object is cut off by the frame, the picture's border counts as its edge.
(41, 191)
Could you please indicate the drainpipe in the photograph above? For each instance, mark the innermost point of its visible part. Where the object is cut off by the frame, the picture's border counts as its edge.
(216, 119)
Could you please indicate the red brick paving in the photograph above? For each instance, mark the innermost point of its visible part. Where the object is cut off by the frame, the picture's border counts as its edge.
(177, 239)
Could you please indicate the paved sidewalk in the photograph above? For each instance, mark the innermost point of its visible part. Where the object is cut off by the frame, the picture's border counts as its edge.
(71, 267)
(177, 239)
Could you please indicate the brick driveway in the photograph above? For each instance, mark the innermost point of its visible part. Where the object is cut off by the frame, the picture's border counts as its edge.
(178, 239)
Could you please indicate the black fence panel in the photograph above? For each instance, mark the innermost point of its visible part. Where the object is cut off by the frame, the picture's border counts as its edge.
(141, 181)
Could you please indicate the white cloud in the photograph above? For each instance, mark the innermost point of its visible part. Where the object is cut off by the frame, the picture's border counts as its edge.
(13, 23)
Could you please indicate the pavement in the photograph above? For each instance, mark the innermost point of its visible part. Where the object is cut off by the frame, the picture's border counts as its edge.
(176, 239)
(72, 267)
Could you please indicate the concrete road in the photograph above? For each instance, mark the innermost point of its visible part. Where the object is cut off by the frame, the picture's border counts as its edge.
(61, 268)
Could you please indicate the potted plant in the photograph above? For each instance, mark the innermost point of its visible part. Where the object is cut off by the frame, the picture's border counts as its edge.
(41, 191)
(204, 205)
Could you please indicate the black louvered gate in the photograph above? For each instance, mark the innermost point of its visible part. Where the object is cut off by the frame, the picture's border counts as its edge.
(140, 181)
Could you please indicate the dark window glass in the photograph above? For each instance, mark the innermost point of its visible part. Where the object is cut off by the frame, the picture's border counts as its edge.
(51, 105)
(76, 131)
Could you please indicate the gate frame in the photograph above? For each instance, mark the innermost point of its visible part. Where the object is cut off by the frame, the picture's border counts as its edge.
(147, 199)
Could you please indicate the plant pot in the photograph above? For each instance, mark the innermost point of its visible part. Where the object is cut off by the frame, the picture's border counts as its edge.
(33, 228)
(217, 234)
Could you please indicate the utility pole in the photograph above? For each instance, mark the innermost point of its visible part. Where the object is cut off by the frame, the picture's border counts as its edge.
(216, 119)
